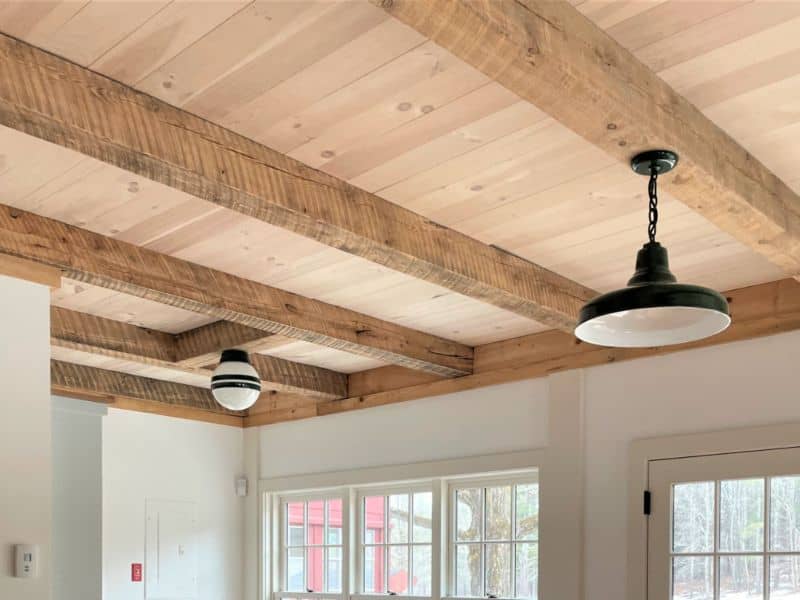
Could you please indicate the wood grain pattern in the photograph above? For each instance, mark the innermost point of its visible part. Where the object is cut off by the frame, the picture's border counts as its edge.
(551, 55)
(757, 311)
(12, 266)
(95, 335)
(105, 262)
(202, 346)
(84, 111)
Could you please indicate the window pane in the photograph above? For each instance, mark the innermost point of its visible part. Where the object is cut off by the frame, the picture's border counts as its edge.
(784, 577)
(498, 513)
(334, 521)
(741, 577)
(784, 509)
(498, 569)
(398, 569)
(374, 577)
(527, 577)
(693, 517)
(294, 523)
(741, 517)
(334, 570)
(374, 513)
(527, 526)
(421, 570)
(468, 570)
(423, 517)
(314, 574)
(398, 518)
(692, 578)
(468, 515)
(295, 578)
(316, 522)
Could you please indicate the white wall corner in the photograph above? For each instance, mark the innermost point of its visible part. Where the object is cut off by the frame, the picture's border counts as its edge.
(562, 490)
(251, 540)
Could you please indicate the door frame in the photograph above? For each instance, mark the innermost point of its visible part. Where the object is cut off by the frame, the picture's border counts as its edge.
(641, 452)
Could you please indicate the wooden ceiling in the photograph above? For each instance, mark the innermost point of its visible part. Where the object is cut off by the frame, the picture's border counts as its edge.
(361, 92)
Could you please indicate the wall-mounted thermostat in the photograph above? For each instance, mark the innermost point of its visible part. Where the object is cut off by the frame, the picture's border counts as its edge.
(26, 560)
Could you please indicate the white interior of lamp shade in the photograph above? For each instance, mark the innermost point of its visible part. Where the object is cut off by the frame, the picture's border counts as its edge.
(658, 326)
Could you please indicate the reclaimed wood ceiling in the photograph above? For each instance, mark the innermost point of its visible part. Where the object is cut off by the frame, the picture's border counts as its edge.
(344, 87)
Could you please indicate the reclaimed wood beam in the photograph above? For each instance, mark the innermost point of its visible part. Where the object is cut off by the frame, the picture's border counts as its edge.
(58, 101)
(757, 311)
(105, 337)
(123, 267)
(553, 56)
(202, 345)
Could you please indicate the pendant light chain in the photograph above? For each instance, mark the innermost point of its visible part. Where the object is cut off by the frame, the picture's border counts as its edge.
(652, 191)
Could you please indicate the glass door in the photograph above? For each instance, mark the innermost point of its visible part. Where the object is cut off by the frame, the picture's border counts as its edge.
(725, 527)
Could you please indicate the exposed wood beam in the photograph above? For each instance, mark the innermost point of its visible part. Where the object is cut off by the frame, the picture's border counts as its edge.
(12, 266)
(551, 55)
(105, 337)
(111, 387)
(58, 101)
(757, 311)
(201, 346)
(106, 262)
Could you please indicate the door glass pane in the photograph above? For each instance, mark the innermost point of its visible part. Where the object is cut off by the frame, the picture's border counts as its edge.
(784, 577)
(498, 513)
(741, 517)
(527, 526)
(692, 578)
(498, 569)
(334, 570)
(374, 513)
(398, 569)
(468, 515)
(784, 514)
(468, 570)
(693, 517)
(741, 577)
(316, 521)
(314, 574)
(398, 518)
(334, 521)
(527, 575)
(374, 577)
(295, 577)
(421, 570)
(423, 517)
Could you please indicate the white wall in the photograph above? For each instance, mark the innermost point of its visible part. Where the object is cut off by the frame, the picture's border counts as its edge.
(717, 388)
(149, 456)
(77, 499)
(502, 418)
(25, 446)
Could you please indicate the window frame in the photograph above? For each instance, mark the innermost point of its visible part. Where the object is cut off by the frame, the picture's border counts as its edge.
(455, 484)
(410, 489)
(282, 501)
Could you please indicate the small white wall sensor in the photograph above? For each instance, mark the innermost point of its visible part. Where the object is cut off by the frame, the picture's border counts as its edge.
(26, 560)
(241, 487)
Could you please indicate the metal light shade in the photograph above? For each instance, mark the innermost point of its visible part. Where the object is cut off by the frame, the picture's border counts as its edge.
(653, 310)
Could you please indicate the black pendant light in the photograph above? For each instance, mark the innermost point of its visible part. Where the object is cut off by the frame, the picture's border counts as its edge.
(653, 310)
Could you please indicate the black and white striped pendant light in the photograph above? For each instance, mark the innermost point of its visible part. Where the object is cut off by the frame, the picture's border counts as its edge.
(235, 384)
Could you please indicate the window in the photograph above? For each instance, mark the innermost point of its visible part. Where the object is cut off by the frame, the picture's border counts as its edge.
(495, 539)
(396, 542)
(312, 545)
(728, 529)
(423, 540)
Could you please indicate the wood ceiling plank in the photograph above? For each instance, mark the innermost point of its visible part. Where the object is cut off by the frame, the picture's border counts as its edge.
(113, 339)
(551, 55)
(111, 122)
(103, 261)
(202, 346)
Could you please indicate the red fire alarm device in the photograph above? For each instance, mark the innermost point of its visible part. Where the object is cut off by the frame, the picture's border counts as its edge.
(136, 571)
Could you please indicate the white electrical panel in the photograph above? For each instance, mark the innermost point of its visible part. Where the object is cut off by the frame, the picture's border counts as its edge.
(170, 550)
(26, 560)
